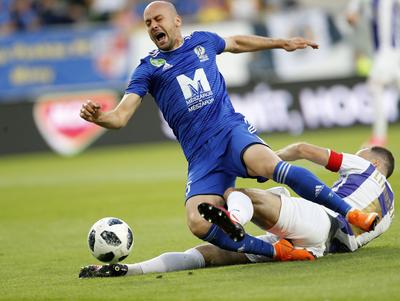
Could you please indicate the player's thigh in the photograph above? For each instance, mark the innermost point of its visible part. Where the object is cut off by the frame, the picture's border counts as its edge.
(246, 153)
(196, 223)
(260, 160)
(214, 256)
(305, 223)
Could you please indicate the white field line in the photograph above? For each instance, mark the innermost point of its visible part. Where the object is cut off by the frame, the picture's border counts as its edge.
(81, 179)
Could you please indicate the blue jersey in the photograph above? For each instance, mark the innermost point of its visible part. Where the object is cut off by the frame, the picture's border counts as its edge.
(189, 89)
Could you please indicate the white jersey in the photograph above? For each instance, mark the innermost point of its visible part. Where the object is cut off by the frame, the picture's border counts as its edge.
(384, 19)
(385, 24)
(363, 187)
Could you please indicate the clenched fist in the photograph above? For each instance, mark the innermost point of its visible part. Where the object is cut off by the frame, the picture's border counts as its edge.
(90, 111)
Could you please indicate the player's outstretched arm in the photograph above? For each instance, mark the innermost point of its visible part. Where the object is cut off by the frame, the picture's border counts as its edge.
(114, 119)
(302, 150)
(250, 43)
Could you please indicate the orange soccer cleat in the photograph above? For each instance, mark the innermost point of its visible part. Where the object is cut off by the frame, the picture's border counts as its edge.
(284, 251)
(362, 220)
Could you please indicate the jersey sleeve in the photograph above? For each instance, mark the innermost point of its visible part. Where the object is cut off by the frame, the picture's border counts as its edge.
(353, 164)
(218, 42)
(346, 163)
(140, 80)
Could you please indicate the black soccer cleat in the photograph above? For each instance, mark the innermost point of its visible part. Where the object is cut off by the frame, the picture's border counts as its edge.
(222, 218)
(109, 270)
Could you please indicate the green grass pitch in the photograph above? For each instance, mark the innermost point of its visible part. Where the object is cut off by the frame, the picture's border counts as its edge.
(48, 204)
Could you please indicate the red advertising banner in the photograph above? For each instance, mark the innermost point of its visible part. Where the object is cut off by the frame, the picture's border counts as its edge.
(57, 118)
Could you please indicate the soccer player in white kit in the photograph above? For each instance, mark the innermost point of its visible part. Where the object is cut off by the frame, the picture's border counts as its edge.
(309, 226)
(384, 17)
(362, 182)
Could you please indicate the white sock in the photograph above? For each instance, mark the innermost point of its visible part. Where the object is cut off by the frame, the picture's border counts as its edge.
(169, 262)
(380, 123)
(240, 207)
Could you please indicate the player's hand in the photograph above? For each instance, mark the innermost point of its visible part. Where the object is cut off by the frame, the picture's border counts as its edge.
(284, 155)
(299, 43)
(352, 19)
(288, 153)
(90, 111)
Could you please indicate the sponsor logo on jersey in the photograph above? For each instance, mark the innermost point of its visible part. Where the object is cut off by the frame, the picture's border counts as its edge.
(201, 53)
(58, 121)
(197, 91)
(157, 62)
(154, 52)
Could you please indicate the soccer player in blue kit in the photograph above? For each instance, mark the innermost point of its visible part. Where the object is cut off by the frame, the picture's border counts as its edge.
(183, 77)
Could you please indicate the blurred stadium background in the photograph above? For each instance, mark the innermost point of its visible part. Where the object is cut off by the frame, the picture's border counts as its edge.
(55, 54)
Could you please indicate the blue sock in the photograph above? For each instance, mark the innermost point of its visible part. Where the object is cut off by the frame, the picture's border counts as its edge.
(308, 186)
(249, 244)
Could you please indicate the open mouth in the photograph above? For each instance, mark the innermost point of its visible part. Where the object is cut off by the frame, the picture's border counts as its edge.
(160, 36)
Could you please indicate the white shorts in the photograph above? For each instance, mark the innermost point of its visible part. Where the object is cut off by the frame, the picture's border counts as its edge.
(306, 224)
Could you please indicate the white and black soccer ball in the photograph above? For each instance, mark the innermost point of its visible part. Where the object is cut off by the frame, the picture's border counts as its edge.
(110, 240)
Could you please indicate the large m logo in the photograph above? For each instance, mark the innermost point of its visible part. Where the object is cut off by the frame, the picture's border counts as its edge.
(196, 86)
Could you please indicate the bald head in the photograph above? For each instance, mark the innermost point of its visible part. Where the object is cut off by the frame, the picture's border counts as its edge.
(161, 5)
(163, 25)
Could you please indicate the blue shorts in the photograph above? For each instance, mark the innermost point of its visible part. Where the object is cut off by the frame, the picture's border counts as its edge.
(219, 161)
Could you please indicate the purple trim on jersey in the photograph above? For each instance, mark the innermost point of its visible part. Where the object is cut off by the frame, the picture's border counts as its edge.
(375, 36)
(391, 195)
(386, 200)
(353, 182)
(395, 23)
(382, 203)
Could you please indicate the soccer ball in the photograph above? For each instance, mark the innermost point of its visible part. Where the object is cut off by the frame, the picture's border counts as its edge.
(110, 240)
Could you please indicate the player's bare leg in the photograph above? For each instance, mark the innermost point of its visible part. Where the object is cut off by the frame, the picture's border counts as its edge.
(267, 206)
(214, 256)
(258, 205)
(223, 219)
(260, 160)
(196, 223)
(196, 258)
(219, 237)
